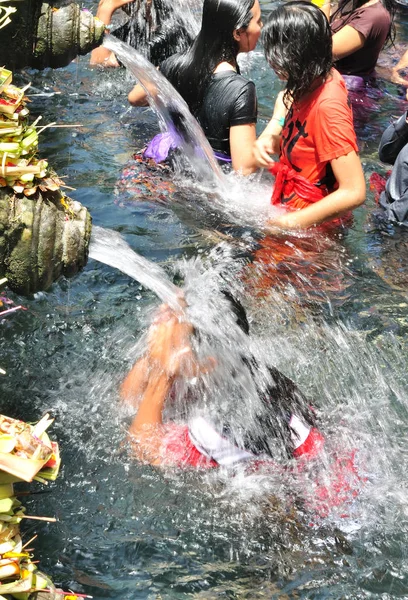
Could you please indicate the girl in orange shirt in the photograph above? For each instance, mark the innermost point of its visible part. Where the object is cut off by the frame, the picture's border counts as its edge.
(319, 175)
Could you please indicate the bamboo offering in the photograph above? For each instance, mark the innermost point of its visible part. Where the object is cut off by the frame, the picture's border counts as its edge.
(20, 168)
(26, 453)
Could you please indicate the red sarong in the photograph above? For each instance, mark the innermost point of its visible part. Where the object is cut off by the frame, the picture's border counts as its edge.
(288, 181)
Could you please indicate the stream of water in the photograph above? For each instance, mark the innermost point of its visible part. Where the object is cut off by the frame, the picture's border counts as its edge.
(332, 313)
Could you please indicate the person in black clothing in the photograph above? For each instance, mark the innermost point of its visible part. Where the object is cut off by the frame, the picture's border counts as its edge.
(394, 150)
(207, 77)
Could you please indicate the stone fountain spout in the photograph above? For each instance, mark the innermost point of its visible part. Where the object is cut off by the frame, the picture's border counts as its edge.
(44, 34)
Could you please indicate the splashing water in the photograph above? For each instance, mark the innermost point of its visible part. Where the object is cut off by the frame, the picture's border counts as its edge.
(162, 22)
(231, 391)
(243, 200)
(127, 530)
(109, 247)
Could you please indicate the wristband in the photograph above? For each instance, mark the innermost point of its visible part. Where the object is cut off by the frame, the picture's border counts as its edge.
(280, 120)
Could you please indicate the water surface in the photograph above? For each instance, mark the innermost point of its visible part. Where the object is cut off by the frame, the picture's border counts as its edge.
(332, 314)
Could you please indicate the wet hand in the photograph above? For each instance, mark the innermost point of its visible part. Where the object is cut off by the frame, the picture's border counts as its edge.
(263, 148)
(169, 347)
(114, 4)
(106, 8)
(286, 221)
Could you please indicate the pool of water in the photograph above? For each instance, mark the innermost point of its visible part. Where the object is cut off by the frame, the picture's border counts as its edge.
(332, 314)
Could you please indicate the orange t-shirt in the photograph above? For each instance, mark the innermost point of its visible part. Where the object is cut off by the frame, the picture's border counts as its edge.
(317, 129)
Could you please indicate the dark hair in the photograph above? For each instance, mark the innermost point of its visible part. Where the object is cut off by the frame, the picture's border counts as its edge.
(238, 310)
(298, 45)
(280, 398)
(156, 29)
(348, 7)
(191, 71)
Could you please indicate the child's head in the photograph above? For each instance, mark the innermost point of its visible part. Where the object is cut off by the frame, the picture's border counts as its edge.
(298, 45)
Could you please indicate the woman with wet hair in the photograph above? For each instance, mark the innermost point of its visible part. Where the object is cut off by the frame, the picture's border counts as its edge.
(318, 177)
(207, 77)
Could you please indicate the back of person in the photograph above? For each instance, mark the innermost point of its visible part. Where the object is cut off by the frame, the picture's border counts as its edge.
(230, 100)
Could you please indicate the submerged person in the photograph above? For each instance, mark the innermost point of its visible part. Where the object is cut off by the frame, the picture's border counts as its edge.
(284, 414)
(207, 76)
(394, 150)
(319, 176)
(361, 30)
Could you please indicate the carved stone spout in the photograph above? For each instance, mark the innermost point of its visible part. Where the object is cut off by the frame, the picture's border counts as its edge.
(41, 34)
(41, 238)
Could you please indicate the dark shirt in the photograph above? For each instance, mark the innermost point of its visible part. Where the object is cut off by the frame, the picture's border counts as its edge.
(374, 23)
(229, 100)
(394, 150)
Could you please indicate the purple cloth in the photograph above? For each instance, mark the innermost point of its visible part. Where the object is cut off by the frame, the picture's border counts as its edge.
(222, 157)
(355, 83)
(159, 147)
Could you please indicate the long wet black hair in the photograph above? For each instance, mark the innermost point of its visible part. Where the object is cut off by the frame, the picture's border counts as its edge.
(279, 399)
(298, 46)
(348, 7)
(191, 71)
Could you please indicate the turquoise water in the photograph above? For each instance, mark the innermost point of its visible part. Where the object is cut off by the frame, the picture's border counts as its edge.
(335, 319)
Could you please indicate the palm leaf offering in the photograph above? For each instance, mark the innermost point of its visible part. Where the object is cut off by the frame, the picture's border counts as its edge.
(20, 168)
(5, 78)
(26, 452)
(22, 453)
(5, 12)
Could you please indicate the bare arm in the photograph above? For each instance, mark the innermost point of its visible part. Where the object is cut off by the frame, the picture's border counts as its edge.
(350, 194)
(242, 138)
(269, 141)
(347, 41)
(145, 433)
(168, 355)
(136, 381)
(101, 55)
(138, 96)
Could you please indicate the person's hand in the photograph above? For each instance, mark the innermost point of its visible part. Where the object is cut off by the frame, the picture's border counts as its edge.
(112, 5)
(286, 221)
(169, 347)
(398, 79)
(106, 8)
(263, 148)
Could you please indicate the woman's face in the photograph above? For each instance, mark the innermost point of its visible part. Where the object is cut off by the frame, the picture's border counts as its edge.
(248, 37)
